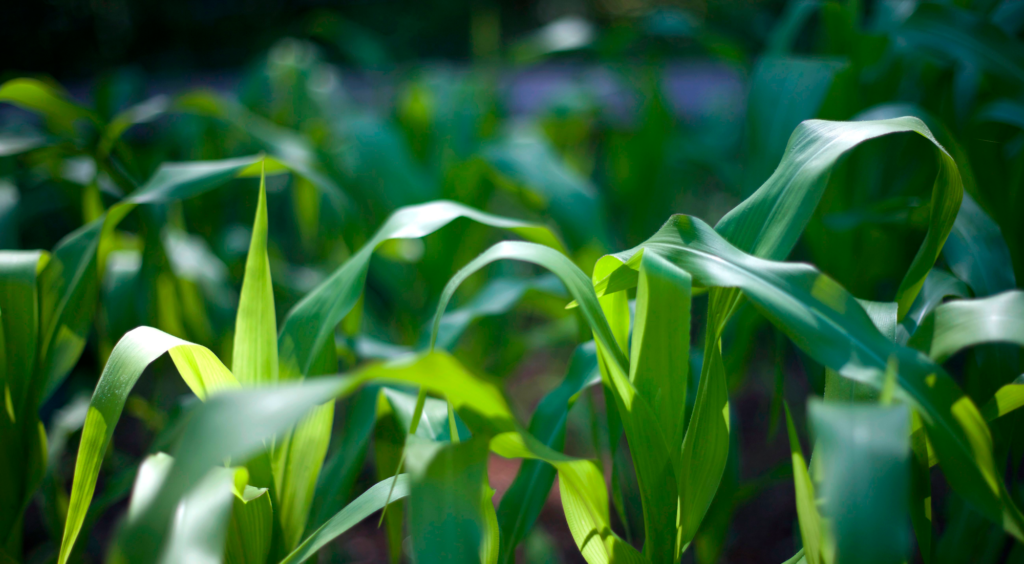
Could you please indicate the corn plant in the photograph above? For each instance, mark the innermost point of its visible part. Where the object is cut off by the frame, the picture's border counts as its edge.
(239, 481)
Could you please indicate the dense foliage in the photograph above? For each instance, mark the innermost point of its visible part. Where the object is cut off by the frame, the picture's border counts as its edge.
(296, 255)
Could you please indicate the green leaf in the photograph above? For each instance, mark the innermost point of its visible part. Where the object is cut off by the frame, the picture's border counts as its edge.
(648, 447)
(769, 222)
(254, 356)
(310, 325)
(199, 368)
(812, 528)
(864, 452)
(828, 323)
(966, 323)
(362, 507)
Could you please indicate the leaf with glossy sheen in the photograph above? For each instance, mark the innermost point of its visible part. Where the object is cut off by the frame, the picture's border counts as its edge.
(310, 325)
(864, 452)
(828, 323)
(200, 369)
(960, 324)
(524, 499)
(235, 426)
(352, 514)
(254, 356)
(1005, 400)
(769, 222)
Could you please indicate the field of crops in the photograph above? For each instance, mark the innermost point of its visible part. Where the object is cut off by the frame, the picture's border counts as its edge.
(643, 291)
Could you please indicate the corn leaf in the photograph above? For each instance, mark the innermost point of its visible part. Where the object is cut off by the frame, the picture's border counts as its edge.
(199, 368)
(254, 356)
(828, 323)
(49, 101)
(769, 222)
(310, 325)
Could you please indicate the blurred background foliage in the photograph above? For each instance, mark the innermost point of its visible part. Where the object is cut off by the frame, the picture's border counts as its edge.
(598, 118)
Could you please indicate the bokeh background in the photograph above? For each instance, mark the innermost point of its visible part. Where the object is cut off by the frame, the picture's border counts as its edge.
(599, 118)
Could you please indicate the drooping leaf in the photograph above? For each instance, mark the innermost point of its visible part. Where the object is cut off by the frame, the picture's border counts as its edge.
(199, 368)
(311, 323)
(828, 323)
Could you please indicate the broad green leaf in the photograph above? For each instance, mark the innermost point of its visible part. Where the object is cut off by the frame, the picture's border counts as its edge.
(864, 452)
(769, 222)
(199, 368)
(524, 499)
(297, 460)
(310, 325)
(254, 356)
(828, 323)
(965, 323)
(812, 527)
(362, 507)
(69, 283)
(48, 101)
